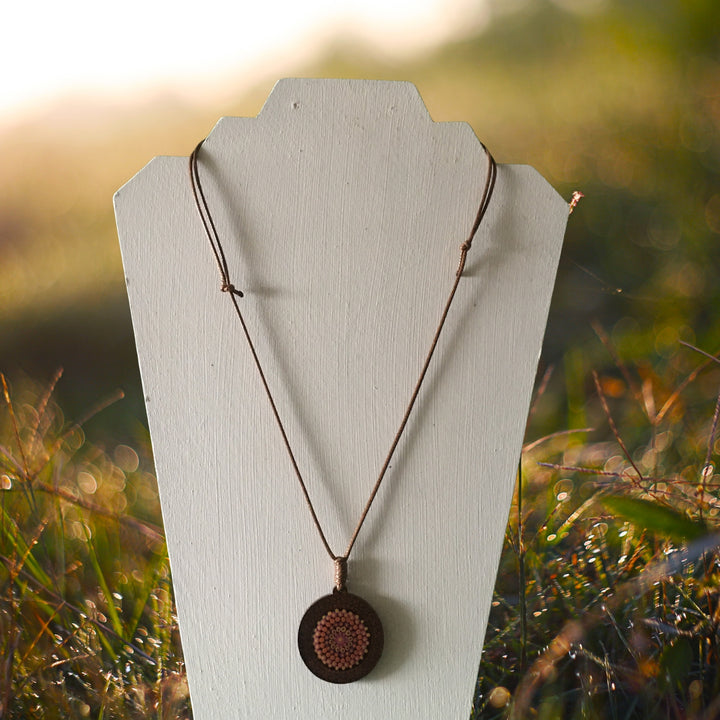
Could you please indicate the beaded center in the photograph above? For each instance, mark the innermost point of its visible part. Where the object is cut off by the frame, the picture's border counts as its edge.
(341, 639)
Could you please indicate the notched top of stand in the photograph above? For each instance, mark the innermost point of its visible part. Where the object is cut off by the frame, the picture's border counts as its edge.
(365, 109)
(314, 95)
(362, 106)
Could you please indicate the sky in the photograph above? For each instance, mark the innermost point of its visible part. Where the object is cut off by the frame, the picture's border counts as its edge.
(52, 48)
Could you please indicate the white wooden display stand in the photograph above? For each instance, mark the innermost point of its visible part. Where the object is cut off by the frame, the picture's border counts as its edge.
(342, 208)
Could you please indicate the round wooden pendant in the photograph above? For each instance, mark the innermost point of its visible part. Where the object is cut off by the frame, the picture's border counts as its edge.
(340, 637)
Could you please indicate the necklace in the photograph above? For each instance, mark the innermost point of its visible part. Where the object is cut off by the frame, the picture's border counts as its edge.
(340, 637)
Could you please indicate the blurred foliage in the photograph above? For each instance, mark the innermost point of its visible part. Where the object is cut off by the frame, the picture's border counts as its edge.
(607, 601)
(618, 99)
(87, 623)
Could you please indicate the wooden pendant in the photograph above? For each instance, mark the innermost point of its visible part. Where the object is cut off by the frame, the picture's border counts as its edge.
(340, 637)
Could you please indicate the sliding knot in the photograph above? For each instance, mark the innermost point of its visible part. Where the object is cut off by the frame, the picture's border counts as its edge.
(230, 288)
(463, 256)
(340, 572)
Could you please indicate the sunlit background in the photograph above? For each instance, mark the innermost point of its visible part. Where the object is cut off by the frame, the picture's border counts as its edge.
(140, 47)
(619, 99)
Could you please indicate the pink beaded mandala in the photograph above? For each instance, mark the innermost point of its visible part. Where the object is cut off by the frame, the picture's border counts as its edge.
(340, 637)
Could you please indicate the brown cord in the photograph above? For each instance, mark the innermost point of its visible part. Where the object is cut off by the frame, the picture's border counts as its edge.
(227, 286)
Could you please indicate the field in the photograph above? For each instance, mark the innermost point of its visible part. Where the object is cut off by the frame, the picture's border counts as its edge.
(607, 600)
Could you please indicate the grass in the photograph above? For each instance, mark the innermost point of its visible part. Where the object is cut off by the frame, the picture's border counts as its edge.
(607, 602)
(87, 620)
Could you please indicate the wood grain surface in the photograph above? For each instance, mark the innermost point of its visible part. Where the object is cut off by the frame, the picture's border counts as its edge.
(342, 208)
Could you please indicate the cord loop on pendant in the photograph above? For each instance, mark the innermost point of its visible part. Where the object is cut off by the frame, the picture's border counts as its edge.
(340, 572)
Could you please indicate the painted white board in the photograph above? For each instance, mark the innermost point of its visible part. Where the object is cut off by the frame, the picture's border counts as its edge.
(341, 208)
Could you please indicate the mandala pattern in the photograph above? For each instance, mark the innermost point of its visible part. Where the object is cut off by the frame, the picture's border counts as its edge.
(341, 639)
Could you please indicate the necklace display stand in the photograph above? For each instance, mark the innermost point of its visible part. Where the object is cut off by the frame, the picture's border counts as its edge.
(342, 208)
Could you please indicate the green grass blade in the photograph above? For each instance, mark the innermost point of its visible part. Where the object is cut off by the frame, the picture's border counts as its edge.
(115, 621)
(151, 577)
(656, 518)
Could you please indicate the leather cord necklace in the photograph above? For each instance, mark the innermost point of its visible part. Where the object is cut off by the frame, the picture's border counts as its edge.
(340, 636)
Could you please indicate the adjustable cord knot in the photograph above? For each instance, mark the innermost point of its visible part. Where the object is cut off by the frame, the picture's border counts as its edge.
(463, 256)
(230, 288)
